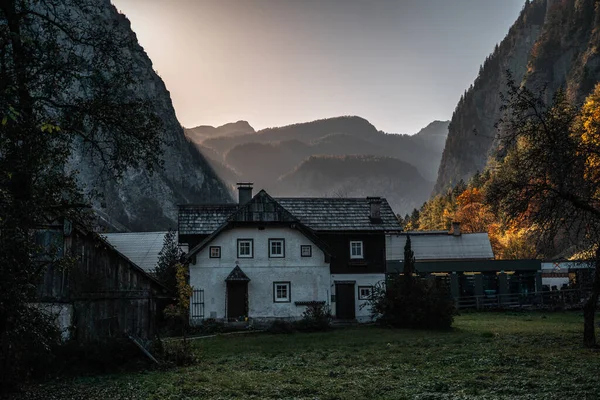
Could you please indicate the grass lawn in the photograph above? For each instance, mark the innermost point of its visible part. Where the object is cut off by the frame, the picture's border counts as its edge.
(486, 356)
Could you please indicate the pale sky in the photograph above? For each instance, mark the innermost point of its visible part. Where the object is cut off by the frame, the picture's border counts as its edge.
(398, 63)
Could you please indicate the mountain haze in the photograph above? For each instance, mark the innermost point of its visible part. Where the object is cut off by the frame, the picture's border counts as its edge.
(357, 176)
(270, 157)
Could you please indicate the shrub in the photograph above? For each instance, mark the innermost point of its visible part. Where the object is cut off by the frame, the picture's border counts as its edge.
(418, 304)
(178, 352)
(100, 356)
(211, 326)
(316, 317)
(28, 345)
(281, 326)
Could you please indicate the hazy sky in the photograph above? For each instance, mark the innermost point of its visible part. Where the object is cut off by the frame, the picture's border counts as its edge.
(400, 64)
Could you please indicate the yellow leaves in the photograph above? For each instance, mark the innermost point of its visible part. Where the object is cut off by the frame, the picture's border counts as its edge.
(46, 127)
(588, 123)
(184, 292)
(516, 243)
(11, 114)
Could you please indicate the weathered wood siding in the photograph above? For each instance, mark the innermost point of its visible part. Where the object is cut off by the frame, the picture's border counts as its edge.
(373, 248)
(110, 295)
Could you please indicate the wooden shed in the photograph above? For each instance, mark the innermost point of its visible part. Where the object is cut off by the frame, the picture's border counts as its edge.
(100, 293)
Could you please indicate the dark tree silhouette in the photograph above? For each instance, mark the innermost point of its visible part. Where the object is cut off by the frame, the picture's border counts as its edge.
(547, 175)
(67, 82)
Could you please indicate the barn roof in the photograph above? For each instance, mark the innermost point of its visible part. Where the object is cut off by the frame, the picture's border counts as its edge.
(141, 248)
(440, 246)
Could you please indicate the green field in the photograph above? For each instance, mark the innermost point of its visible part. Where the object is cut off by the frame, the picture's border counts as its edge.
(485, 356)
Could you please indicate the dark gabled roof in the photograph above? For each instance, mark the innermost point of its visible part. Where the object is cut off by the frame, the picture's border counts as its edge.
(238, 275)
(203, 219)
(261, 208)
(340, 214)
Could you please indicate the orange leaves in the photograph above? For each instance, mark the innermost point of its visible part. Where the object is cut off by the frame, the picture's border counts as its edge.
(588, 123)
(469, 196)
(472, 212)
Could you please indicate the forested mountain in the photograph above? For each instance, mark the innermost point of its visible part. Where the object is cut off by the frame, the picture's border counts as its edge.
(149, 202)
(357, 176)
(553, 43)
(271, 156)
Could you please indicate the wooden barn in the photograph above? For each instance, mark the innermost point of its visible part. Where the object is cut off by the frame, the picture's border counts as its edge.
(96, 292)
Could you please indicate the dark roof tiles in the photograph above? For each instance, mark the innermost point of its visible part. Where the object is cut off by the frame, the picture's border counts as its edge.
(203, 219)
(334, 214)
(319, 214)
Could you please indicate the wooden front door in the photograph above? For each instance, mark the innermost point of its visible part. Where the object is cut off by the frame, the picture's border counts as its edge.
(344, 301)
(237, 299)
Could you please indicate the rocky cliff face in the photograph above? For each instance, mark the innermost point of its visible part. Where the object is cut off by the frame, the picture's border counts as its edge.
(553, 44)
(149, 202)
(471, 130)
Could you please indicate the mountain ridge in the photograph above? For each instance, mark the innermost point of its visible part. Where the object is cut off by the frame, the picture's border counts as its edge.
(270, 155)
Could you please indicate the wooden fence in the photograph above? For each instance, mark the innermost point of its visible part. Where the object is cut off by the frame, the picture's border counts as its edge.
(569, 298)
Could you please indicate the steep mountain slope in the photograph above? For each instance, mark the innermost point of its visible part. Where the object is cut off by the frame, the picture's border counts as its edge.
(553, 43)
(357, 176)
(471, 130)
(433, 135)
(149, 202)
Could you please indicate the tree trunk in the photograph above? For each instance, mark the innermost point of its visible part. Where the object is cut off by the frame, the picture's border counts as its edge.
(589, 310)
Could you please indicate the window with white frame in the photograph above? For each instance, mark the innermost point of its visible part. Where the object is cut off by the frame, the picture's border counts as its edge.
(306, 250)
(215, 251)
(245, 248)
(356, 249)
(281, 292)
(365, 292)
(276, 248)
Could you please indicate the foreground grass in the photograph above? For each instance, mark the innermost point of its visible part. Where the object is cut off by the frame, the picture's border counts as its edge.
(486, 356)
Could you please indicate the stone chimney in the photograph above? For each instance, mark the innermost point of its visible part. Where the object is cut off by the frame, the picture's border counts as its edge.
(244, 192)
(456, 228)
(375, 208)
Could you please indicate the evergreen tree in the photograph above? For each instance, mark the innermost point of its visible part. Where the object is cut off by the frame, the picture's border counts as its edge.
(409, 260)
(169, 256)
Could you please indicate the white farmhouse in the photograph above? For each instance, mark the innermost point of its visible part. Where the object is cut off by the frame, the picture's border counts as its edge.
(269, 257)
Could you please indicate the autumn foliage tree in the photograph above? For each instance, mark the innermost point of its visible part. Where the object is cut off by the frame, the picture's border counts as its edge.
(472, 211)
(548, 175)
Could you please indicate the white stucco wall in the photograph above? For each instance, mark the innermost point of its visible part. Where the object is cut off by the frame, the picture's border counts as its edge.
(363, 314)
(309, 276)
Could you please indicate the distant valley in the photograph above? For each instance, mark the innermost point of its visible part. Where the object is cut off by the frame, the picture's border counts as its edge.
(344, 156)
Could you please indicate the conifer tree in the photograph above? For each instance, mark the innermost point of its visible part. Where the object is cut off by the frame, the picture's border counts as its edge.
(169, 256)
